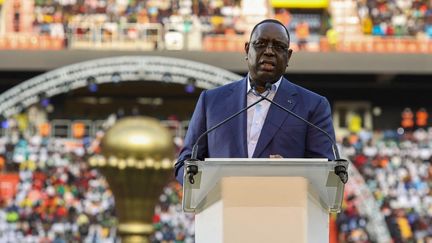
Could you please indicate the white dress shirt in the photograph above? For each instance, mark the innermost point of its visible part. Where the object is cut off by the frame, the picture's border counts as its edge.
(256, 115)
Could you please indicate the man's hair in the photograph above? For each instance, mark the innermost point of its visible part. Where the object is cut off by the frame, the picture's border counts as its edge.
(270, 21)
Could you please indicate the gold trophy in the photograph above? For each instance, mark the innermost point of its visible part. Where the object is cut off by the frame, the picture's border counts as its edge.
(137, 161)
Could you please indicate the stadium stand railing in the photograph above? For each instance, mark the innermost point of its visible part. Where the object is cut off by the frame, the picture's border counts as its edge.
(114, 36)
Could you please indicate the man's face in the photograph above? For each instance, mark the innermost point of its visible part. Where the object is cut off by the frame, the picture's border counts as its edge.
(268, 53)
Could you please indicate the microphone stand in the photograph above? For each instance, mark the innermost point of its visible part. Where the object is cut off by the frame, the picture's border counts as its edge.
(192, 163)
(341, 164)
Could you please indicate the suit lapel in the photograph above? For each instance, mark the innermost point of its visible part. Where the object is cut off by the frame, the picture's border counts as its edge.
(286, 97)
(236, 100)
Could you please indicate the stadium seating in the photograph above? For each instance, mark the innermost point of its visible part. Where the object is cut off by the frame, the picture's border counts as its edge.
(362, 26)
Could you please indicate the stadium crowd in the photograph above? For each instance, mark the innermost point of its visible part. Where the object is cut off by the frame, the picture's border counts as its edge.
(55, 17)
(161, 22)
(396, 18)
(170, 223)
(350, 223)
(396, 166)
(58, 197)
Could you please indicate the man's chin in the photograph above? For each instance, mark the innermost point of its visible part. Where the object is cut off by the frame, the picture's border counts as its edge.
(268, 77)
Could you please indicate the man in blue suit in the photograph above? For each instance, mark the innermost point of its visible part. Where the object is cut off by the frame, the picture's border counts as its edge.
(264, 131)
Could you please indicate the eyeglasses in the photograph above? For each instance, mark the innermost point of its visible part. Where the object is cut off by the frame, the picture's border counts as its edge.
(275, 46)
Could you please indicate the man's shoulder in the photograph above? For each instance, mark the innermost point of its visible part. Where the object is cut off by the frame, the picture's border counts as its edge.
(304, 92)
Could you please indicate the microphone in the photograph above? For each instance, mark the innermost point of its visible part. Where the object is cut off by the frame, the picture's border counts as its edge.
(341, 164)
(192, 163)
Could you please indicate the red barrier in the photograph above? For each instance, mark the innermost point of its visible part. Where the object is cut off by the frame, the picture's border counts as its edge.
(233, 43)
(386, 45)
(30, 42)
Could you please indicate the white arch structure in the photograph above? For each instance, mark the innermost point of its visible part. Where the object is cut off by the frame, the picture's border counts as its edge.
(108, 70)
(150, 68)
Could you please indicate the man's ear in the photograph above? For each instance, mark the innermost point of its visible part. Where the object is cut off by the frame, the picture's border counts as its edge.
(247, 48)
(290, 51)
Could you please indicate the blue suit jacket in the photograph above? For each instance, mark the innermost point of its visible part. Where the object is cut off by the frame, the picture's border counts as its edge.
(281, 134)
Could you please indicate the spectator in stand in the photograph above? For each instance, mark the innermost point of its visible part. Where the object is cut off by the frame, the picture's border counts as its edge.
(399, 21)
(367, 25)
(283, 16)
(302, 34)
(407, 122)
(422, 118)
(377, 30)
(428, 21)
(217, 21)
(2, 163)
(332, 38)
(389, 30)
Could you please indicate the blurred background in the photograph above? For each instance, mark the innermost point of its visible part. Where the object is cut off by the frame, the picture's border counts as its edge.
(96, 95)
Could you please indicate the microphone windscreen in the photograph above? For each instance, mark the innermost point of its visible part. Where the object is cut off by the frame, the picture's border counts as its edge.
(268, 86)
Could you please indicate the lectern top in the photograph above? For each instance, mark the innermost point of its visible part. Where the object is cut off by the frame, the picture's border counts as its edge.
(319, 172)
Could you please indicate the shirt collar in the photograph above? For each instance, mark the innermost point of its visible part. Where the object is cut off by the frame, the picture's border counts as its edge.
(275, 86)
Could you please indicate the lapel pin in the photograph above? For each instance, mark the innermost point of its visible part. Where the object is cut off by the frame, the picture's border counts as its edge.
(290, 101)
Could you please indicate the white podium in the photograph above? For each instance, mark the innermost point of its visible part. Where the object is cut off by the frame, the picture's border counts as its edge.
(263, 200)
